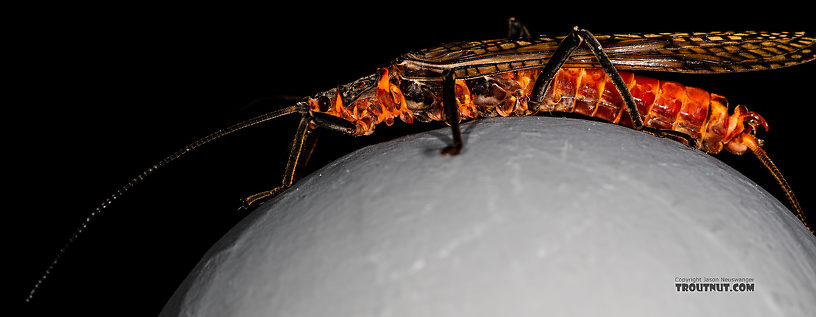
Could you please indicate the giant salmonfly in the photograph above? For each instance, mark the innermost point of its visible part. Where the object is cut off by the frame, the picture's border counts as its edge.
(504, 78)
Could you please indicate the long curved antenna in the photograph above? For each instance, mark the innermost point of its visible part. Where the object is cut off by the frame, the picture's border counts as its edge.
(762, 156)
(139, 178)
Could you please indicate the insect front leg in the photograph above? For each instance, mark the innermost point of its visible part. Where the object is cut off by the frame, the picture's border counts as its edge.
(301, 149)
(563, 53)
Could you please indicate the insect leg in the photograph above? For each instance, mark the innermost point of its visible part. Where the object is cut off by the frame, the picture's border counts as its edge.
(563, 52)
(516, 30)
(451, 112)
(301, 149)
(301, 138)
(671, 134)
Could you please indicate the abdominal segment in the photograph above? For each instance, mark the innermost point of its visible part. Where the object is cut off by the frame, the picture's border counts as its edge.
(662, 105)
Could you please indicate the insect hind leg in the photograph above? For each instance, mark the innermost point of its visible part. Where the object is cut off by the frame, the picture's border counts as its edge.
(671, 134)
(563, 53)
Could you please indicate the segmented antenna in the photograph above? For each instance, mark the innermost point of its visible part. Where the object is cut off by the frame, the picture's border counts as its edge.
(139, 178)
(762, 156)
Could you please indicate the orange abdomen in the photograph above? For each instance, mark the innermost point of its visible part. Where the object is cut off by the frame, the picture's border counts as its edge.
(664, 105)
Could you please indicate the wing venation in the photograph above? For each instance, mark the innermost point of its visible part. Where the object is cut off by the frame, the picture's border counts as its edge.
(712, 52)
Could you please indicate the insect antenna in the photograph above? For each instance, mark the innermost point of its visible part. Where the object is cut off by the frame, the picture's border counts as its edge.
(139, 178)
(763, 157)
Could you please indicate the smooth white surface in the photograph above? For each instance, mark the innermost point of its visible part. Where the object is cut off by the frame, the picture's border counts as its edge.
(537, 217)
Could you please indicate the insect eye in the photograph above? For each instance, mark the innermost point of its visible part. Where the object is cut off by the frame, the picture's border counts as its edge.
(323, 103)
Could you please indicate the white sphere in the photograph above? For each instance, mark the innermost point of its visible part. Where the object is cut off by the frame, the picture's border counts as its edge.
(537, 217)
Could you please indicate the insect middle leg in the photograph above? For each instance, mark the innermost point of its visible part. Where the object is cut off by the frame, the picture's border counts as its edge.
(560, 56)
(563, 53)
(301, 149)
(450, 110)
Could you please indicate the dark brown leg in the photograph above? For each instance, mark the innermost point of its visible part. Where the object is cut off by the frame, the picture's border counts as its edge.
(562, 54)
(300, 151)
(451, 111)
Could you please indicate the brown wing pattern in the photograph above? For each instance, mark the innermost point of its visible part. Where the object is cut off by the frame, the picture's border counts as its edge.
(711, 52)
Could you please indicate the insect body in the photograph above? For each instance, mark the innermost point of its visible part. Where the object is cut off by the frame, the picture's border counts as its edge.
(525, 76)
(504, 77)
(701, 117)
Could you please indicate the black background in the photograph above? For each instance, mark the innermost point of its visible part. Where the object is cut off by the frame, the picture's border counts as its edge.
(98, 94)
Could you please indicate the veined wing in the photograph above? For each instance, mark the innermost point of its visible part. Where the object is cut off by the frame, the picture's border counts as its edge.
(712, 52)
